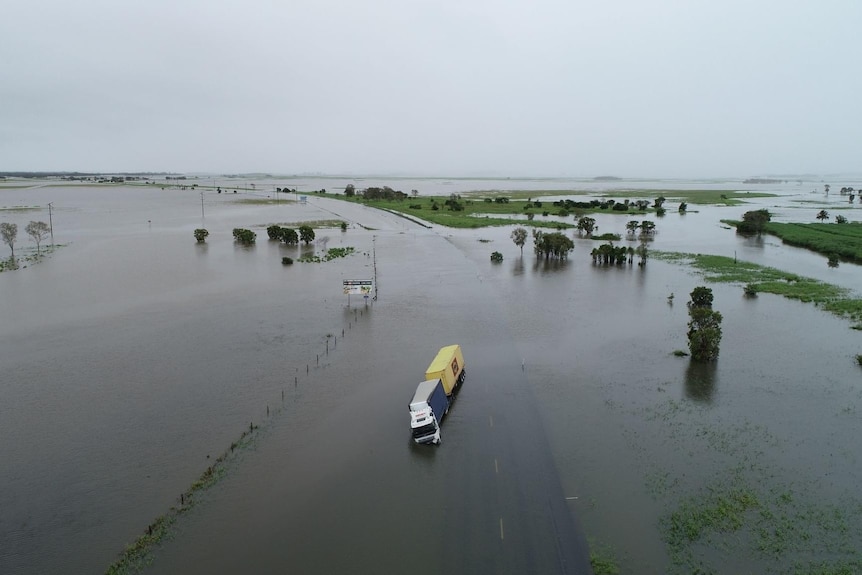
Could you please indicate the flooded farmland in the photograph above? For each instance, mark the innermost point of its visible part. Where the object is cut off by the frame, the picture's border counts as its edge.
(133, 357)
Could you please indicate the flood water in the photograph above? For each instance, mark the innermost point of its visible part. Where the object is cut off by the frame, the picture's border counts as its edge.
(132, 357)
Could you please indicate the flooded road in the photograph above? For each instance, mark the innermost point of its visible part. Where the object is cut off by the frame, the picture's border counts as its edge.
(135, 357)
(347, 490)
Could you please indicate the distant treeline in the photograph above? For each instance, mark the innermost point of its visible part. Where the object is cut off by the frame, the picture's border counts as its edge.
(77, 174)
(762, 181)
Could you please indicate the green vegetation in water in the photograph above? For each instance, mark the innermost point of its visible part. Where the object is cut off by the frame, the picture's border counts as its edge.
(719, 510)
(608, 237)
(697, 197)
(317, 224)
(843, 240)
(767, 526)
(331, 254)
(469, 212)
(603, 560)
(740, 510)
(138, 555)
(483, 208)
(839, 568)
(757, 278)
(27, 258)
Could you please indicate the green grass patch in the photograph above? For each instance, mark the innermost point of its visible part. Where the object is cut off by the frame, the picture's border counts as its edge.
(483, 208)
(331, 254)
(844, 240)
(697, 197)
(757, 279)
(603, 560)
(475, 212)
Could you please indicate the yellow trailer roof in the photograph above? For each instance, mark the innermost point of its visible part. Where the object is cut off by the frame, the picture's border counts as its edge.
(444, 356)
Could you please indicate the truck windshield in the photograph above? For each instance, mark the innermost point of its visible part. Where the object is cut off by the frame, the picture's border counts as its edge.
(429, 429)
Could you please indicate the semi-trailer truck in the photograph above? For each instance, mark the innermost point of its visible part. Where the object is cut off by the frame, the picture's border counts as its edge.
(427, 408)
(448, 366)
(434, 395)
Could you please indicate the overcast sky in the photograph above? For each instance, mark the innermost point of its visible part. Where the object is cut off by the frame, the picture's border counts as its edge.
(633, 88)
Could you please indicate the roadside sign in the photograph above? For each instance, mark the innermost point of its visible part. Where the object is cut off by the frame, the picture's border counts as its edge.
(358, 287)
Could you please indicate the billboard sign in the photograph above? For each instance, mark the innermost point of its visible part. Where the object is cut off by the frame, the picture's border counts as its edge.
(358, 287)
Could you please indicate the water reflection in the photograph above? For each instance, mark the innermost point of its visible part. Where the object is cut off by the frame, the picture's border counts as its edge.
(752, 241)
(518, 267)
(700, 380)
(551, 265)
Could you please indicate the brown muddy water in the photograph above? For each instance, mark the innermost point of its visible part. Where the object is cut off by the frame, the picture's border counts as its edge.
(132, 357)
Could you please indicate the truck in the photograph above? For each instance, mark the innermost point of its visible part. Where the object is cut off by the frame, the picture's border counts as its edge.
(433, 396)
(427, 408)
(448, 366)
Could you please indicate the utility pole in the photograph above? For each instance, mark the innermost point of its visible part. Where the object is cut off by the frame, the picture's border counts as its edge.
(202, 204)
(51, 223)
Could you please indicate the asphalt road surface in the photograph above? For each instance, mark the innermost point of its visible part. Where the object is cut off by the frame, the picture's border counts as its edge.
(336, 485)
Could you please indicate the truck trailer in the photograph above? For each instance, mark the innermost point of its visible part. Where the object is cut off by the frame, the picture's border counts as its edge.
(434, 395)
(448, 366)
(427, 408)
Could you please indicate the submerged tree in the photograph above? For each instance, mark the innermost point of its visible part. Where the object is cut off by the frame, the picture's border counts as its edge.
(38, 231)
(586, 224)
(306, 234)
(519, 236)
(608, 254)
(822, 215)
(9, 233)
(704, 326)
(647, 228)
(289, 236)
(274, 232)
(552, 244)
(244, 236)
(643, 252)
(201, 234)
(754, 222)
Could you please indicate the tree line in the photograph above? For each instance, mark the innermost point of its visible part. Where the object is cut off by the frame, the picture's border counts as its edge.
(38, 231)
(289, 236)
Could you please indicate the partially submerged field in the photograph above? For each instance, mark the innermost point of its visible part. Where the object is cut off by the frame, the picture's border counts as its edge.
(843, 240)
(483, 208)
(761, 279)
(744, 465)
